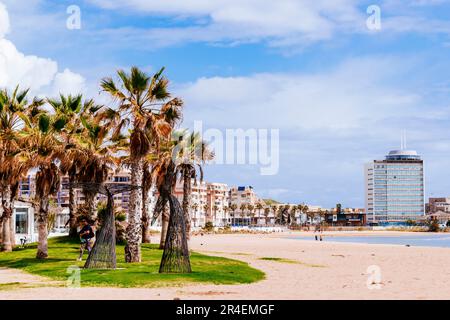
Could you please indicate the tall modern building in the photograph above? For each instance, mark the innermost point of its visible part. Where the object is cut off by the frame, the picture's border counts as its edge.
(395, 188)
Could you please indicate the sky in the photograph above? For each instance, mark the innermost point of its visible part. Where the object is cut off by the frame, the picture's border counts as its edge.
(339, 91)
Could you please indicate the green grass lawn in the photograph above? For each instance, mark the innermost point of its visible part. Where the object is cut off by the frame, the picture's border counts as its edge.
(63, 253)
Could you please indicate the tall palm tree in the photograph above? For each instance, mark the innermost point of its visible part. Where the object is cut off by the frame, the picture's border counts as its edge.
(147, 102)
(42, 144)
(12, 167)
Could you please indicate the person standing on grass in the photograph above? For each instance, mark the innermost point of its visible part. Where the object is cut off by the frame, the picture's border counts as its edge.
(86, 235)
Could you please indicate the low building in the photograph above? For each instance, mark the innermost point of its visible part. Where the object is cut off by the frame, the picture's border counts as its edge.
(438, 204)
(347, 217)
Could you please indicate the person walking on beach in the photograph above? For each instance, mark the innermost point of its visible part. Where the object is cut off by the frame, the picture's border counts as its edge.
(86, 235)
(318, 232)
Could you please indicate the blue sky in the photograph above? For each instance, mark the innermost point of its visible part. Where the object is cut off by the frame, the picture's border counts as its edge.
(339, 93)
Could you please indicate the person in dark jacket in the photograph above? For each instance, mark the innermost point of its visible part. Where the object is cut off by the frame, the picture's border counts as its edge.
(86, 237)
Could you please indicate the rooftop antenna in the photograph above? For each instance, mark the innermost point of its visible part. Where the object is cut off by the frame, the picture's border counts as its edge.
(404, 139)
(401, 140)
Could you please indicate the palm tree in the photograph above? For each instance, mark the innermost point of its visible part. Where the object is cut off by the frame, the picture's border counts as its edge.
(146, 101)
(225, 219)
(305, 209)
(97, 149)
(147, 188)
(195, 208)
(207, 215)
(251, 211)
(266, 214)
(215, 208)
(259, 207)
(292, 214)
(70, 108)
(41, 146)
(233, 208)
(12, 167)
(310, 216)
(243, 207)
(274, 210)
(191, 152)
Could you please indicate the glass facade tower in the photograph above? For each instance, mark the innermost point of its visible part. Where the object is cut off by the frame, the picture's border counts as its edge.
(395, 188)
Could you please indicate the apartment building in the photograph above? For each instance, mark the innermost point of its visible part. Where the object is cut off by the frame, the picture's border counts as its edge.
(394, 188)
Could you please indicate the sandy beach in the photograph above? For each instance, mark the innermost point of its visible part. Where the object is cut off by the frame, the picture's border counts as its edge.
(309, 270)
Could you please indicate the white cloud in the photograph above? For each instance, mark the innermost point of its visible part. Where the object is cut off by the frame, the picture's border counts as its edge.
(350, 97)
(39, 74)
(281, 21)
(68, 82)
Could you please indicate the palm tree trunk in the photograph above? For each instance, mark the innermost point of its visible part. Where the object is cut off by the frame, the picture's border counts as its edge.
(42, 219)
(134, 232)
(91, 204)
(187, 202)
(1, 226)
(6, 218)
(147, 206)
(72, 209)
(164, 226)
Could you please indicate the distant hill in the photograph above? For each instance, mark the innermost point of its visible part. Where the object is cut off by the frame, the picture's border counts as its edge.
(270, 202)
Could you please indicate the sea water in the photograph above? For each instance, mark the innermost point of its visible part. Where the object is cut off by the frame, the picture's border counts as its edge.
(420, 240)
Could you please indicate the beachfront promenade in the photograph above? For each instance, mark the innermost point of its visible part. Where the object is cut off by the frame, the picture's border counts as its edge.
(294, 269)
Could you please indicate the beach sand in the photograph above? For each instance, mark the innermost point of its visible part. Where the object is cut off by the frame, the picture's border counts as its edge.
(310, 270)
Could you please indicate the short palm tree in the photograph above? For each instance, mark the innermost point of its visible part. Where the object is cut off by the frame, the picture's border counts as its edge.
(266, 214)
(207, 215)
(97, 151)
(190, 153)
(251, 212)
(259, 207)
(233, 207)
(243, 207)
(274, 211)
(215, 208)
(12, 167)
(72, 109)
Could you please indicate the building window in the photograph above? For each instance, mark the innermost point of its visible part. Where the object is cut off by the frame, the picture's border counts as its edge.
(22, 221)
